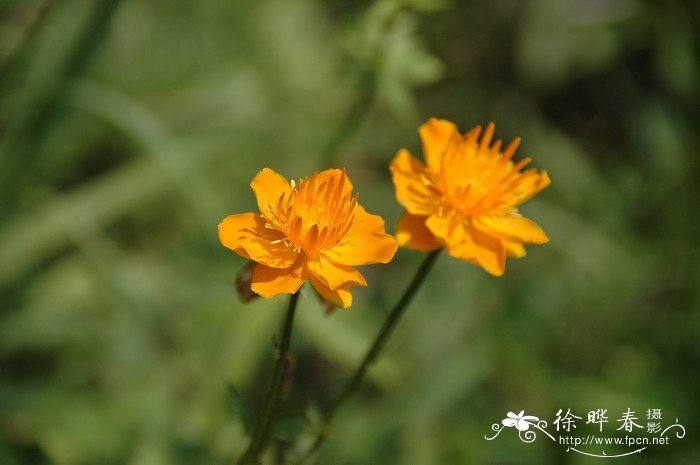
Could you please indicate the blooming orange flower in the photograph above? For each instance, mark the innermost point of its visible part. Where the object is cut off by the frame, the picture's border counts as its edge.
(465, 197)
(312, 230)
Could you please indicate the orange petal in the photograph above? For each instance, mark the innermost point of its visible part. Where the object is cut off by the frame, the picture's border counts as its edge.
(341, 297)
(334, 275)
(490, 252)
(514, 249)
(269, 282)
(365, 242)
(268, 187)
(339, 175)
(532, 183)
(437, 135)
(412, 233)
(414, 188)
(443, 229)
(247, 235)
(468, 243)
(514, 228)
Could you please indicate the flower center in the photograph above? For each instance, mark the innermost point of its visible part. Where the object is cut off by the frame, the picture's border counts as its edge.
(476, 178)
(315, 215)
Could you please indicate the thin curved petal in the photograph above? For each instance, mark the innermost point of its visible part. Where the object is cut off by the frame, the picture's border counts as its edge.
(341, 297)
(412, 233)
(247, 235)
(515, 228)
(268, 187)
(514, 249)
(414, 189)
(269, 282)
(531, 184)
(334, 275)
(437, 135)
(365, 242)
(338, 175)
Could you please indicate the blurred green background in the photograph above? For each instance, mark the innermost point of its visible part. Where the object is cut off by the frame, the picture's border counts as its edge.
(129, 129)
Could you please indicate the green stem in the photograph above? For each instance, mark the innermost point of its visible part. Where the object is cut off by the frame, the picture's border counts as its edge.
(265, 420)
(384, 333)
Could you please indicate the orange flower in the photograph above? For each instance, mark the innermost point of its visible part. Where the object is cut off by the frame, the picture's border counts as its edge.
(311, 230)
(465, 197)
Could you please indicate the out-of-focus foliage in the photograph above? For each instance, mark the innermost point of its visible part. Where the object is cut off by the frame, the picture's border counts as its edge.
(128, 129)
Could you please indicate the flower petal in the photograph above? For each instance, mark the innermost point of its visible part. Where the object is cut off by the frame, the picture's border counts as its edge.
(412, 233)
(487, 251)
(365, 242)
(531, 183)
(269, 282)
(443, 229)
(514, 249)
(339, 175)
(414, 189)
(515, 228)
(334, 275)
(437, 135)
(341, 297)
(268, 187)
(247, 235)
(469, 243)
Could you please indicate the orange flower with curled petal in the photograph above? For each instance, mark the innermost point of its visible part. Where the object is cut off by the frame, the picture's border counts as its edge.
(314, 229)
(465, 196)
